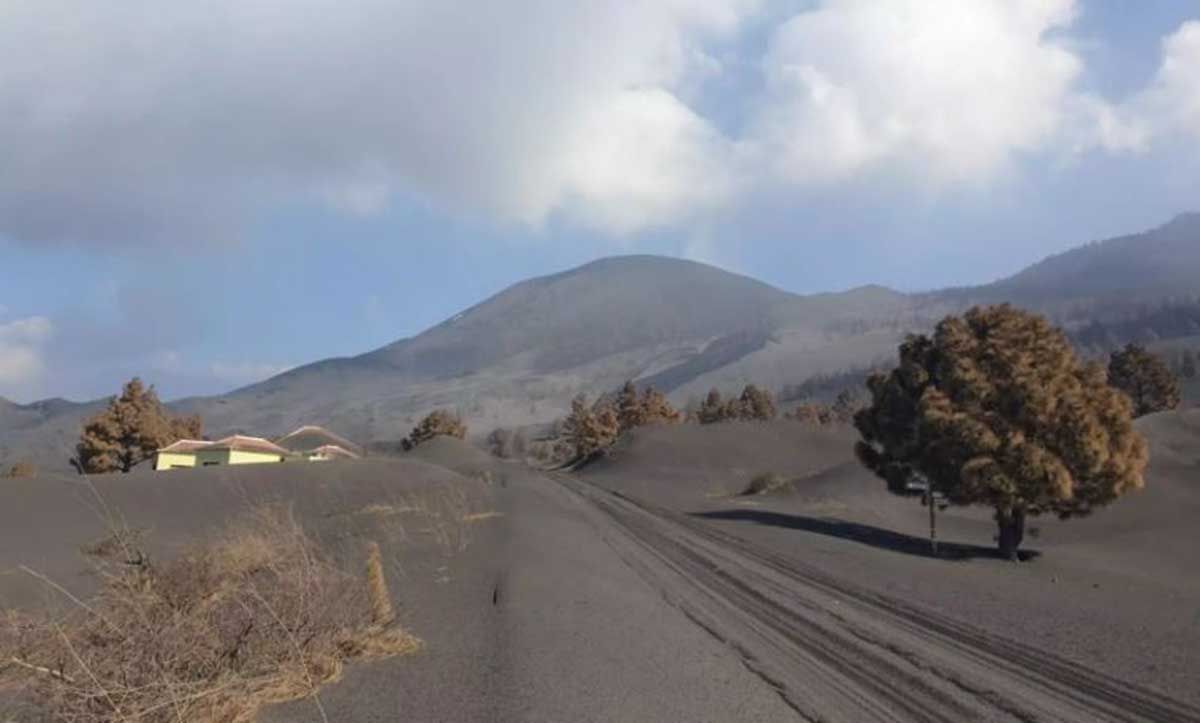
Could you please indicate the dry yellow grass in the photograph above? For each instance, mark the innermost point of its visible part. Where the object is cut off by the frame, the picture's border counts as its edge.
(382, 612)
(258, 616)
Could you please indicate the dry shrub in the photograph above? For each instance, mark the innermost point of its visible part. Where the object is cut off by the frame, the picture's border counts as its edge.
(258, 616)
(764, 483)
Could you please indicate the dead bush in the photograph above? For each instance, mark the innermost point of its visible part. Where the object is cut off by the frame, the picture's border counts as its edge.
(764, 483)
(259, 615)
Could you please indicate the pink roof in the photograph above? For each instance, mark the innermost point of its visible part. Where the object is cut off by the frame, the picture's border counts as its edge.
(242, 443)
(333, 450)
(185, 445)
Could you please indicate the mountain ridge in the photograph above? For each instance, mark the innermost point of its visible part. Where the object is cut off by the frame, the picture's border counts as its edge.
(518, 356)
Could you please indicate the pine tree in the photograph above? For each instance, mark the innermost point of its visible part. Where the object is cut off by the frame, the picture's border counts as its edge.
(591, 430)
(995, 409)
(754, 405)
(1145, 378)
(657, 409)
(630, 411)
(129, 430)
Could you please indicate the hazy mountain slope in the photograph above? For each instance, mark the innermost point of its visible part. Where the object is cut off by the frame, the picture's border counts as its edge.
(1160, 263)
(43, 432)
(521, 355)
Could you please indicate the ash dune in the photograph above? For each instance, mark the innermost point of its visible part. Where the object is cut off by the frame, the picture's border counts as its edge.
(1086, 594)
(543, 597)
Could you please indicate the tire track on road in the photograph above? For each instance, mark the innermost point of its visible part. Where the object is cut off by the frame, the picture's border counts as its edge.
(836, 651)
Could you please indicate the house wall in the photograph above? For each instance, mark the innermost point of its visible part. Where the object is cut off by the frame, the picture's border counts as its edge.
(240, 457)
(169, 460)
(226, 456)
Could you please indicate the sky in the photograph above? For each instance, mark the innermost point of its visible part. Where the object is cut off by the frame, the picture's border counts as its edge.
(206, 194)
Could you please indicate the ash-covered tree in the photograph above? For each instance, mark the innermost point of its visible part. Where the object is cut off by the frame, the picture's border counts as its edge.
(591, 429)
(630, 411)
(657, 409)
(995, 409)
(507, 443)
(438, 423)
(1145, 378)
(754, 405)
(129, 430)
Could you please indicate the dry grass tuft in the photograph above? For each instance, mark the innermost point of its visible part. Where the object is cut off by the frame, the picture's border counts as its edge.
(480, 516)
(258, 616)
(765, 483)
(381, 601)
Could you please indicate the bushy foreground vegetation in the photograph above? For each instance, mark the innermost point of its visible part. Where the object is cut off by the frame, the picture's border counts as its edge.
(260, 615)
(996, 409)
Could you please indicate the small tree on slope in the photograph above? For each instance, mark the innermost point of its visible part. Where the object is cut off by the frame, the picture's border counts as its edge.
(438, 423)
(129, 430)
(590, 430)
(995, 409)
(1145, 378)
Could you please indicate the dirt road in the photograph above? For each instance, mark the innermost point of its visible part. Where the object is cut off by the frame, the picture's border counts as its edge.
(835, 651)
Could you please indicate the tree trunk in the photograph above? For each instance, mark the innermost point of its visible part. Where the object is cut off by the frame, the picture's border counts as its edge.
(1012, 531)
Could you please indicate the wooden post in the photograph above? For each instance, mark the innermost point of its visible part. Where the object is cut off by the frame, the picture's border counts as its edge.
(932, 518)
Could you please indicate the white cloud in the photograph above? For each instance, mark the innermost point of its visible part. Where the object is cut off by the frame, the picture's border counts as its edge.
(21, 353)
(1171, 104)
(949, 90)
(151, 121)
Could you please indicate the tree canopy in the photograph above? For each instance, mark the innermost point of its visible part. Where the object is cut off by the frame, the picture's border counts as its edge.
(591, 429)
(129, 430)
(754, 404)
(438, 423)
(1145, 378)
(996, 409)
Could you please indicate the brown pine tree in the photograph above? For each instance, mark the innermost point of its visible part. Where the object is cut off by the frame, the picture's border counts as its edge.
(129, 430)
(590, 430)
(438, 423)
(995, 409)
(630, 412)
(756, 405)
(656, 409)
(1145, 378)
